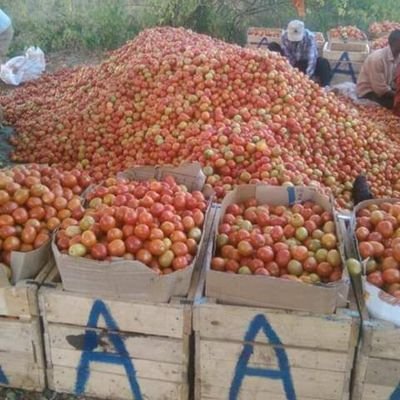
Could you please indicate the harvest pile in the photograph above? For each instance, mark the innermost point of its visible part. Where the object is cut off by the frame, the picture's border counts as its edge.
(347, 32)
(156, 223)
(378, 234)
(35, 200)
(380, 43)
(172, 95)
(297, 242)
(378, 28)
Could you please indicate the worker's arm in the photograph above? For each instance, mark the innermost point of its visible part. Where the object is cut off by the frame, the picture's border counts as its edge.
(378, 79)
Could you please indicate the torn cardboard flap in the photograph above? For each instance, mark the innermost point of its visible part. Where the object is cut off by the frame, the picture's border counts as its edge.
(264, 291)
(27, 265)
(189, 174)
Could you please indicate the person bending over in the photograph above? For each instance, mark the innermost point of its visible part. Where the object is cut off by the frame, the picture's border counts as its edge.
(300, 47)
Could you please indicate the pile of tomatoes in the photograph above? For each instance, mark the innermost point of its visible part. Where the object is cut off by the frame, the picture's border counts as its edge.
(158, 223)
(377, 28)
(172, 95)
(378, 235)
(35, 200)
(296, 242)
(347, 32)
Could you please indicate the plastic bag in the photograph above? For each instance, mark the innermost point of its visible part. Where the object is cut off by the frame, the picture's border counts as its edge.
(23, 68)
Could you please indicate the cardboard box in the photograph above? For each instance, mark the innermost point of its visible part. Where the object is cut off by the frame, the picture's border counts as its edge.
(380, 304)
(260, 38)
(132, 280)
(27, 265)
(263, 291)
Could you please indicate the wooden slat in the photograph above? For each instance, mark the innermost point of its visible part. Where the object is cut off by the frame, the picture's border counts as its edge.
(265, 356)
(22, 374)
(271, 396)
(383, 372)
(385, 341)
(377, 392)
(17, 336)
(21, 300)
(144, 368)
(216, 381)
(153, 348)
(116, 387)
(224, 322)
(153, 319)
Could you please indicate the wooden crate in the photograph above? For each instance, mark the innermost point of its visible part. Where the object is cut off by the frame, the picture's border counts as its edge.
(352, 56)
(240, 350)
(377, 373)
(260, 38)
(116, 349)
(339, 44)
(22, 358)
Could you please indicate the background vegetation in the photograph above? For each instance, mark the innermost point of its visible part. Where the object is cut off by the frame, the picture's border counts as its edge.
(106, 24)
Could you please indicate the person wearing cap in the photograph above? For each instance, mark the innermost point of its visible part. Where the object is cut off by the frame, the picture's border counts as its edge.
(376, 81)
(300, 47)
(6, 33)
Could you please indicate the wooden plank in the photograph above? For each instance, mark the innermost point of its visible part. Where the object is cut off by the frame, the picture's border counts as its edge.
(23, 375)
(14, 302)
(265, 355)
(385, 341)
(116, 387)
(383, 372)
(145, 318)
(377, 392)
(325, 332)
(144, 368)
(271, 396)
(21, 300)
(153, 348)
(216, 381)
(15, 336)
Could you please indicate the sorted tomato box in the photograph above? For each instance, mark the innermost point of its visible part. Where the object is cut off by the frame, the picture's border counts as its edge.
(278, 247)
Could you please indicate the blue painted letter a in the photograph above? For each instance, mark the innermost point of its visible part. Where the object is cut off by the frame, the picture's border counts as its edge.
(260, 323)
(90, 343)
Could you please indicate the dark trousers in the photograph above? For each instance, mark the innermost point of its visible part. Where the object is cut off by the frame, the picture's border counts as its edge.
(386, 100)
(322, 73)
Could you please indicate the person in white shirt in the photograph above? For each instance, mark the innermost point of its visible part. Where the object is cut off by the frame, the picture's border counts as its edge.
(6, 33)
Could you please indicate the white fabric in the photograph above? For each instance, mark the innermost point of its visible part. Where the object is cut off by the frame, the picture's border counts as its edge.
(23, 68)
(295, 31)
(5, 21)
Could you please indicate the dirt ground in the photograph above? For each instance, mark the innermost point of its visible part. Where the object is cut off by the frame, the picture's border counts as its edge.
(55, 62)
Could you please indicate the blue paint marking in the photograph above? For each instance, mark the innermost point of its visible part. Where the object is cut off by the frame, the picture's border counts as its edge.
(263, 42)
(396, 394)
(3, 378)
(260, 323)
(89, 355)
(291, 195)
(350, 71)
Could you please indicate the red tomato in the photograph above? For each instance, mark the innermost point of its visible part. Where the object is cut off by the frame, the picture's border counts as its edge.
(116, 248)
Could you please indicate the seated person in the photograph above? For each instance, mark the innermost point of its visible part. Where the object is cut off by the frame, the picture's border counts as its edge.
(376, 79)
(300, 47)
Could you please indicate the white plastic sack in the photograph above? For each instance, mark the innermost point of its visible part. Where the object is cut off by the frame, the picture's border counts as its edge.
(23, 68)
(381, 305)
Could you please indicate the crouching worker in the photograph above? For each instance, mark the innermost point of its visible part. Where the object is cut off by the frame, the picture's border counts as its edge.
(377, 75)
(300, 47)
(6, 34)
